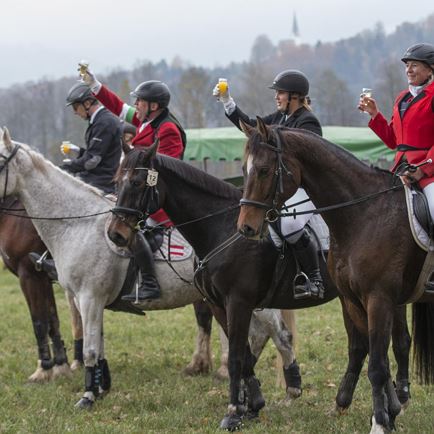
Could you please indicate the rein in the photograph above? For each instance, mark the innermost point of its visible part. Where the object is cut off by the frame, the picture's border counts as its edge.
(6, 165)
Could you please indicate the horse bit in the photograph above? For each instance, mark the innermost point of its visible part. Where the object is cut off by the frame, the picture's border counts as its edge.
(272, 214)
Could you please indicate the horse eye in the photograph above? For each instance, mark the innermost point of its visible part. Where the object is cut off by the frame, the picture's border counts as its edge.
(263, 171)
(136, 183)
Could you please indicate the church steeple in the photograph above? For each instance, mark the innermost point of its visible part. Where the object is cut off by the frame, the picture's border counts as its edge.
(295, 30)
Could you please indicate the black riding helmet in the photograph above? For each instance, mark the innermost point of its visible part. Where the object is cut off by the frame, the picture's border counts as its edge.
(420, 52)
(79, 93)
(153, 91)
(291, 80)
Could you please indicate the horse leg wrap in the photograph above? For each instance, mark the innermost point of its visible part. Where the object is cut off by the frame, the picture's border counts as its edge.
(292, 375)
(92, 379)
(78, 350)
(59, 350)
(255, 400)
(106, 381)
(403, 390)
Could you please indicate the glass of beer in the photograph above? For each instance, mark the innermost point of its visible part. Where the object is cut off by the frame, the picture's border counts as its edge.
(366, 93)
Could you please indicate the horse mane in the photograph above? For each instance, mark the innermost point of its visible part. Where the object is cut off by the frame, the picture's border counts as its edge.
(192, 176)
(304, 137)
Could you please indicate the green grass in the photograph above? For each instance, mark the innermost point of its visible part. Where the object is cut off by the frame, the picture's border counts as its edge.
(149, 393)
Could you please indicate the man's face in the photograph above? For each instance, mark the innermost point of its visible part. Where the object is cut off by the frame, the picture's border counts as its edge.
(282, 100)
(80, 109)
(417, 72)
(142, 108)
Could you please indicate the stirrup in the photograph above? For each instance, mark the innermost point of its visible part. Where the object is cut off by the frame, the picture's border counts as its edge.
(302, 287)
(38, 263)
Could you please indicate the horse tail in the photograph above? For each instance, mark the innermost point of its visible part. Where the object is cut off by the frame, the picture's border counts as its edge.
(423, 342)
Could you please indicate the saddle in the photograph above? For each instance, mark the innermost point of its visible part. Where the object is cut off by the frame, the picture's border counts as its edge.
(421, 211)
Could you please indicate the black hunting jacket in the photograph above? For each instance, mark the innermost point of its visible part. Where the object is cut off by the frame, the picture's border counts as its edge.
(301, 118)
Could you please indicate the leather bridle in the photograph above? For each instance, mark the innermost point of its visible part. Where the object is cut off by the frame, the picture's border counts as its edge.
(273, 213)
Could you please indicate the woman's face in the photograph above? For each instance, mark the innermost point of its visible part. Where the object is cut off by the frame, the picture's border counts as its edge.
(417, 72)
(282, 100)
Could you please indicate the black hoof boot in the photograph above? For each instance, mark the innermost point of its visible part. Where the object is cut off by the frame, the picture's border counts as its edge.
(233, 420)
(255, 400)
(402, 388)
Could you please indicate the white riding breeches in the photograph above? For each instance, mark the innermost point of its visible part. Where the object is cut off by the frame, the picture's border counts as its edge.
(292, 227)
(428, 191)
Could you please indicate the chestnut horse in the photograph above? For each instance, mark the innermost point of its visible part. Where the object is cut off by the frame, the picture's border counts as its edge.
(236, 274)
(18, 237)
(373, 257)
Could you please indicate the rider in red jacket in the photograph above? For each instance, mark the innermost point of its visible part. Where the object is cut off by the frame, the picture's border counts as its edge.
(152, 118)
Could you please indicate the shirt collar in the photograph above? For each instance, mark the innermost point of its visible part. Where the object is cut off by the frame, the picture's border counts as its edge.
(92, 118)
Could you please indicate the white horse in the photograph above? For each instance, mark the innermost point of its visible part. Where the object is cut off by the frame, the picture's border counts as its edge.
(91, 271)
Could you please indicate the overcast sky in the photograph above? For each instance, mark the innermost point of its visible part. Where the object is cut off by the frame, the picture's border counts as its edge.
(46, 38)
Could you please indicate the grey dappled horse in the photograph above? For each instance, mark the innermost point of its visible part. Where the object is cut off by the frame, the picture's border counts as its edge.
(87, 268)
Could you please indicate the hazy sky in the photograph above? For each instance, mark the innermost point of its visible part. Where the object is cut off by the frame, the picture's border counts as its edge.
(46, 38)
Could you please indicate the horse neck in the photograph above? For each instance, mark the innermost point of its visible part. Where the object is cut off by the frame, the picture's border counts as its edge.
(50, 192)
(332, 176)
(186, 202)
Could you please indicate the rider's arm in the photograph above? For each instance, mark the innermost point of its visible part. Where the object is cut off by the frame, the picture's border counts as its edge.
(383, 130)
(111, 101)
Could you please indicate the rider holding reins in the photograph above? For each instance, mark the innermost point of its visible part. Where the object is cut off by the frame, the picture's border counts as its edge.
(291, 94)
(152, 118)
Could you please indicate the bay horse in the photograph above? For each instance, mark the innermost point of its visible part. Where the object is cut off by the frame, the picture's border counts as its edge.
(18, 237)
(70, 217)
(235, 274)
(373, 257)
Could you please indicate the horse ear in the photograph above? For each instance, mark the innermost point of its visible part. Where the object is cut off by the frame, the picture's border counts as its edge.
(262, 128)
(246, 129)
(6, 137)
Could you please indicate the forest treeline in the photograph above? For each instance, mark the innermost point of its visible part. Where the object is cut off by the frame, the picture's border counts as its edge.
(35, 112)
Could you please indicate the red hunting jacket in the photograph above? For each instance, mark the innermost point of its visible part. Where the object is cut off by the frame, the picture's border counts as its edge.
(171, 140)
(415, 128)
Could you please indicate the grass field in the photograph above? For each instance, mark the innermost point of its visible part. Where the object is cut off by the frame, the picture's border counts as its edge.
(150, 394)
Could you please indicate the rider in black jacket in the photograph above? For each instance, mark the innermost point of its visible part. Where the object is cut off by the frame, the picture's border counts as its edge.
(293, 111)
(97, 163)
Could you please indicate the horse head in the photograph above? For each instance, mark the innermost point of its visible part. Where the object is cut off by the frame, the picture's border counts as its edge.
(138, 196)
(268, 179)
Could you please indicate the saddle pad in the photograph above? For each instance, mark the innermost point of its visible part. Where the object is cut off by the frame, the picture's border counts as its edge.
(419, 234)
(174, 248)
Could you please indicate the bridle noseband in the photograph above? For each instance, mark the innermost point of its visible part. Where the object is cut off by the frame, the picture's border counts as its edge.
(5, 165)
(272, 214)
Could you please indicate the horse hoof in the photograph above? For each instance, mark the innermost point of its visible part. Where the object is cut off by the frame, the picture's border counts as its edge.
(194, 369)
(41, 376)
(231, 422)
(62, 371)
(222, 373)
(76, 365)
(293, 393)
(84, 404)
(338, 410)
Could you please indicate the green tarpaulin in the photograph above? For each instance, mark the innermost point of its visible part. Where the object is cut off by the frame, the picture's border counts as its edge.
(228, 143)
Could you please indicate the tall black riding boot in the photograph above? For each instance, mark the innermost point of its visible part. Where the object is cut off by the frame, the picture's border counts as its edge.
(149, 288)
(310, 283)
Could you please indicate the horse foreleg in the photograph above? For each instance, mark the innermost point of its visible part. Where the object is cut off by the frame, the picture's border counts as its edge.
(77, 331)
(238, 320)
(380, 320)
(401, 343)
(201, 362)
(358, 346)
(91, 309)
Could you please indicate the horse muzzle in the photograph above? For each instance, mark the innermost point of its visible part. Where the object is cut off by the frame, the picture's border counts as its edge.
(251, 223)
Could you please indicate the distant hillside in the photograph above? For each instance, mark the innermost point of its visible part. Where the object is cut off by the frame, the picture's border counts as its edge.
(35, 112)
